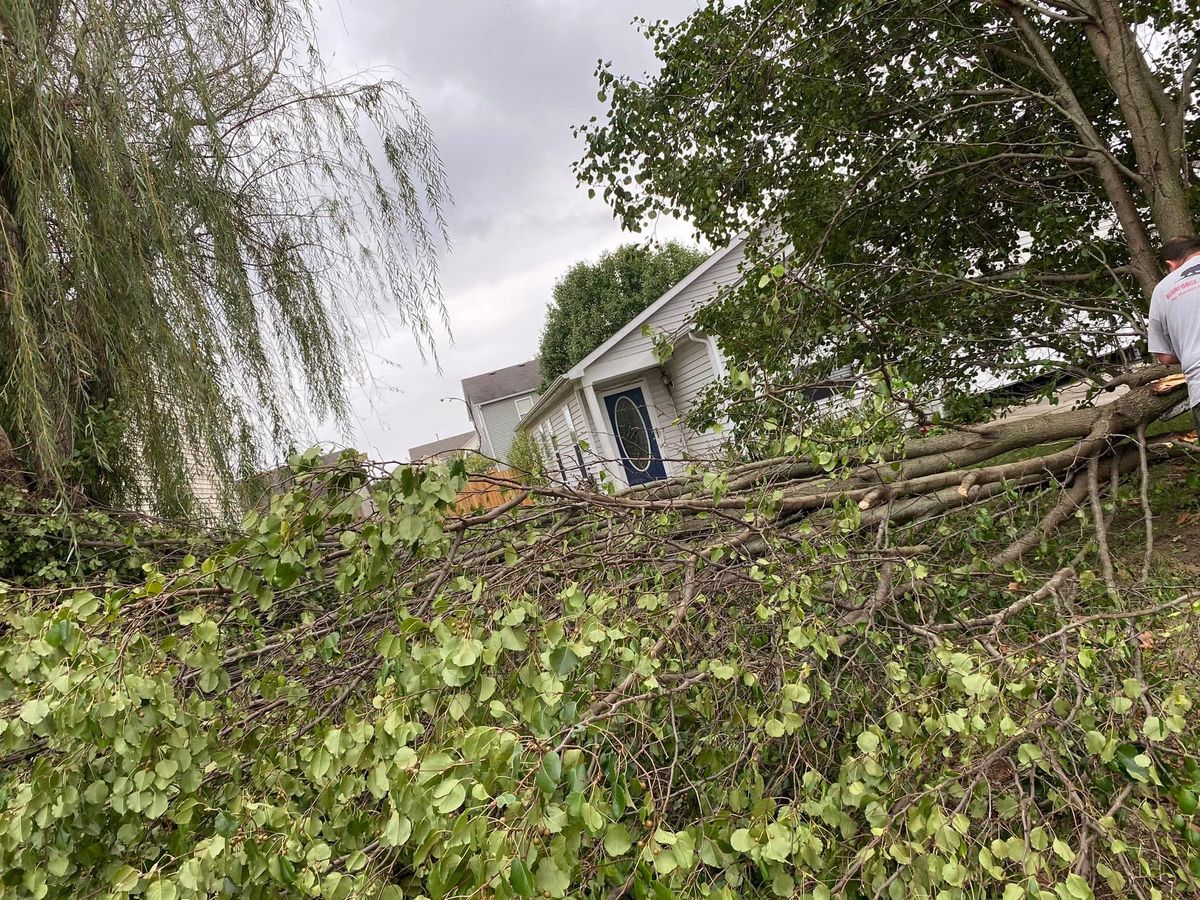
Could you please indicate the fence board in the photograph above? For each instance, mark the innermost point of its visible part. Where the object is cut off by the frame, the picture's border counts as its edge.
(480, 495)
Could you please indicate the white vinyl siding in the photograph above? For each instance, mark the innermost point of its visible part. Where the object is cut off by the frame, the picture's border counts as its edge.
(691, 368)
(563, 427)
(585, 432)
(672, 442)
(629, 361)
(680, 310)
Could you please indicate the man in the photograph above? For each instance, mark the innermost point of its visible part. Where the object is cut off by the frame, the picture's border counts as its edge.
(1174, 327)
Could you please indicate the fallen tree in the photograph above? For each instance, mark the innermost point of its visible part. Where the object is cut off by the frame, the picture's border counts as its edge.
(917, 674)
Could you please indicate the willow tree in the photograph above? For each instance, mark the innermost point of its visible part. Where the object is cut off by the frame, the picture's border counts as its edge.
(195, 218)
(965, 186)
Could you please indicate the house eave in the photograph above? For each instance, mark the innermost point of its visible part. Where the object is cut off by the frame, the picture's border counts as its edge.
(576, 371)
(559, 387)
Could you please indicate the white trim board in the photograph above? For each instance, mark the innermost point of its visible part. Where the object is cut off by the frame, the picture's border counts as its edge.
(532, 393)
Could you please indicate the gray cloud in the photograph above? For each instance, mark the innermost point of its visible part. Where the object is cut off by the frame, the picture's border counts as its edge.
(501, 83)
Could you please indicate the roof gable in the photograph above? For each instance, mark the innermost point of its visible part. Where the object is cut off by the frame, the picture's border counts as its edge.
(576, 371)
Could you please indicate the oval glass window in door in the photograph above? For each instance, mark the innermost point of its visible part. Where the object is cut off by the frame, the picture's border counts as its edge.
(631, 429)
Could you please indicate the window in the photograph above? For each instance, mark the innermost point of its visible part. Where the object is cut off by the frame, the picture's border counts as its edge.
(524, 405)
(632, 433)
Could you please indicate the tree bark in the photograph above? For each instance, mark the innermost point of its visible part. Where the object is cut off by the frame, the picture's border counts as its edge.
(1136, 89)
(1143, 259)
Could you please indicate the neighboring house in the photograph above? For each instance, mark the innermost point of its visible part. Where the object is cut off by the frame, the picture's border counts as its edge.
(445, 449)
(618, 410)
(497, 403)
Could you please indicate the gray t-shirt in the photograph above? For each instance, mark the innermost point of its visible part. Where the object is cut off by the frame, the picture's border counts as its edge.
(1174, 325)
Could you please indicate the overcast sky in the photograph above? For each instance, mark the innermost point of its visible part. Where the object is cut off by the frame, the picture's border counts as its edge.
(501, 83)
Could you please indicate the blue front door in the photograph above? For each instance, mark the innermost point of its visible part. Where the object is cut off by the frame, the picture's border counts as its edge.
(635, 436)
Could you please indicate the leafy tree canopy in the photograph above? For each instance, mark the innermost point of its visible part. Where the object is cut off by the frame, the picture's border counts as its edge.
(594, 299)
(963, 187)
(194, 217)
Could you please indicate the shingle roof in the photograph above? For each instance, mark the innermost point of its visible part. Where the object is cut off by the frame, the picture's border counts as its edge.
(433, 448)
(523, 378)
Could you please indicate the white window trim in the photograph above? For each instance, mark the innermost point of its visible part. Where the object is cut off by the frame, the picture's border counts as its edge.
(522, 413)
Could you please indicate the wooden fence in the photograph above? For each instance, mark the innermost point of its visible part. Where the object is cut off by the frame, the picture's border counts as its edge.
(480, 495)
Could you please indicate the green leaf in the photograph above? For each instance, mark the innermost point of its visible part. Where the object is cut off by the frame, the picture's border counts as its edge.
(125, 879)
(521, 879)
(1078, 887)
(225, 824)
(1187, 801)
(552, 879)
(1063, 851)
(397, 830)
(549, 772)
(96, 792)
(34, 711)
(318, 855)
(160, 889)
(1135, 763)
(954, 874)
(1095, 742)
(1153, 729)
(741, 841)
(336, 886)
(976, 684)
(868, 742)
(617, 840)
(665, 863)
(452, 799)
(722, 671)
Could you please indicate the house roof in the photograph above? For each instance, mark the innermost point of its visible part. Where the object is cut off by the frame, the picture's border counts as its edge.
(445, 445)
(523, 378)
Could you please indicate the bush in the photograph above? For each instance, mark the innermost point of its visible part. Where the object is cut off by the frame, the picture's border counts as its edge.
(526, 456)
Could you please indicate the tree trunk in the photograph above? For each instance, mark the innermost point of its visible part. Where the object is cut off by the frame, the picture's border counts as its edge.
(1143, 260)
(1129, 74)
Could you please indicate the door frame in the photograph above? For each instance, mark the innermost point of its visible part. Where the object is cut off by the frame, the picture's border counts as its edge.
(607, 391)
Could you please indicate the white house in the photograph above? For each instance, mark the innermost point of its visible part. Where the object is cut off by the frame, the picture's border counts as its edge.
(620, 411)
